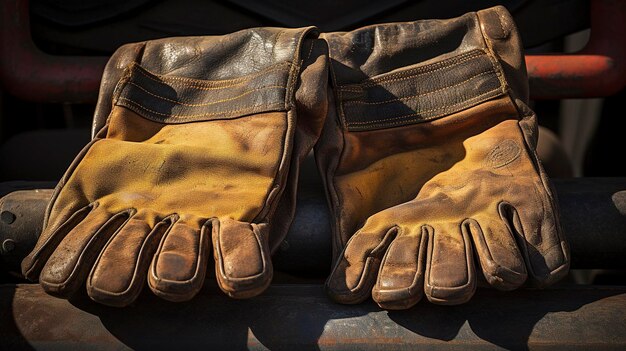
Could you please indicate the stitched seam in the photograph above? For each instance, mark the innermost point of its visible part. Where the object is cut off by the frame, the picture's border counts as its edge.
(498, 70)
(208, 114)
(192, 281)
(417, 120)
(308, 56)
(272, 196)
(194, 85)
(293, 74)
(354, 102)
(402, 265)
(455, 61)
(383, 262)
(546, 194)
(468, 101)
(429, 255)
(342, 114)
(421, 257)
(203, 85)
(415, 72)
(501, 26)
(483, 33)
(280, 34)
(489, 51)
(70, 222)
(484, 239)
(229, 279)
(468, 254)
(338, 240)
(403, 122)
(186, 103)
(131, 212)
(200, 82)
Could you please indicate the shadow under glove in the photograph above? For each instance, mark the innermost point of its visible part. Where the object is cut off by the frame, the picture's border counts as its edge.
(199, 155)
(429, 162)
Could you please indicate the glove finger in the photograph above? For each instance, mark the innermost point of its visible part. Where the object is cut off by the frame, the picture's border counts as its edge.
(354, 274)
(120, 271)
(242, 260)
(68, 266)
(400, 283)
(178, 269)
(500, 259)
(537, 232)
(450, 276)
(34, 262)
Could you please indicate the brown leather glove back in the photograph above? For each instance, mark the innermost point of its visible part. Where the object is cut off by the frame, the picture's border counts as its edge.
(199, 155)
(429, 161)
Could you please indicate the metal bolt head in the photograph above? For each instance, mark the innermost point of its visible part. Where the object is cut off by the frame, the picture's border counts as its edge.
(7, 217)
(8, 245)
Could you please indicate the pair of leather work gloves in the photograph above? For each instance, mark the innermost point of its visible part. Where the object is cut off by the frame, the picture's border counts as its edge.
(422, 135)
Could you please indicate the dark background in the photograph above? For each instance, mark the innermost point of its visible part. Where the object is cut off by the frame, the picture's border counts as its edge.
(39, 140)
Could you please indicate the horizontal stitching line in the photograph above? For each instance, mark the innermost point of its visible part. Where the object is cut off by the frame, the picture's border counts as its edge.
(418, 71)
(454, 61)
(198, 115)
(213, 85)
(477, 97)
(401, 265)
(354, 102)
(186, 103)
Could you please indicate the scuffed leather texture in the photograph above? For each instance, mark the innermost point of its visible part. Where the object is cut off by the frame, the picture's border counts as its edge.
(429, 163)
(198, 158)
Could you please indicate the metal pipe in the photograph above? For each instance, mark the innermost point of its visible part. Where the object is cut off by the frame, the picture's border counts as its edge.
(597, 70)
(26, 72)
(296, 317)
(30, 74)
(593, 216)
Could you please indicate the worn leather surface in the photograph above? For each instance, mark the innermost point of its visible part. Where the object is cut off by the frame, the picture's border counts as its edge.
(427, 154)
(198, 159)
(429, 163)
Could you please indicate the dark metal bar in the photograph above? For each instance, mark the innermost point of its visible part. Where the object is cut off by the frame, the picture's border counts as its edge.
(296, 317)
(21, 219)
(593, 216)
(28, 73)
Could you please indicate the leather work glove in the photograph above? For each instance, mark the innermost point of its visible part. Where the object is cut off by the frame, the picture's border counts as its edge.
(198, 155)
(429, 164)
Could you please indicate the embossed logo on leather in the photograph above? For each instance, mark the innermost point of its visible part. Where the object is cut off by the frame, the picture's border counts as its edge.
(504, 153)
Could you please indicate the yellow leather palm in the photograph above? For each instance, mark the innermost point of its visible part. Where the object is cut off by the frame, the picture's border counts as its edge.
(184, 169)
(430, 164)
(482, 197)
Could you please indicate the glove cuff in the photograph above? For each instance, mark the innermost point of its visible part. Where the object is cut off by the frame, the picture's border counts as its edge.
(406, 73)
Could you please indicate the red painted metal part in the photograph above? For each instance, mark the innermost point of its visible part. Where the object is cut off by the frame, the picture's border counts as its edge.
(30, 74)
(597, 70)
